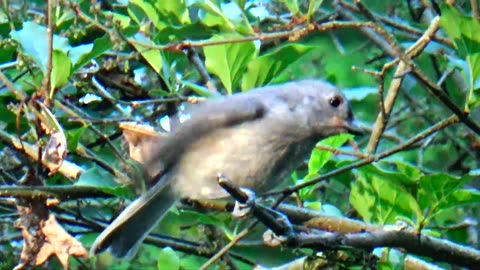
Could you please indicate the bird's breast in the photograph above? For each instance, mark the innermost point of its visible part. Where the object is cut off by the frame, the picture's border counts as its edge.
(256, 160)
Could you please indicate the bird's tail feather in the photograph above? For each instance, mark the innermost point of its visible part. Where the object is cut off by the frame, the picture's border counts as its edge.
(125, 234)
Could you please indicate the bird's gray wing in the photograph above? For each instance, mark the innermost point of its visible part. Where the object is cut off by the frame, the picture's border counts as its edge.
(209, 117)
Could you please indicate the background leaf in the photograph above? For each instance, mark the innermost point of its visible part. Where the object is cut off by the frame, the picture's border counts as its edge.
(380, 199)
(61, 69)
(263, 69)
(228, 61)
(464, 32)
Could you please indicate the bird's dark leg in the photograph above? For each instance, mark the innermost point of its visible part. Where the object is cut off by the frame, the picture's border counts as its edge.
(243, 209)
(244, 197)
(277, 222)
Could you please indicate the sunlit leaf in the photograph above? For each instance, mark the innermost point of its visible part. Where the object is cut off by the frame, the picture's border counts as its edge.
(320, 157)
(229, 61)
(140, 10)
(174, 10)
(198, 89)
(313, 5)
(152, 56)
(409, 170)
(82, 56)
(213, 15)
(379, 198)
(292, 6)
(61, 70)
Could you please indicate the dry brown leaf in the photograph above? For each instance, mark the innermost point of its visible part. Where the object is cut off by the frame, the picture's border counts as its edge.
(43, 236)
(140, 139)
(60, 243)
(56, 150)
(32, 213)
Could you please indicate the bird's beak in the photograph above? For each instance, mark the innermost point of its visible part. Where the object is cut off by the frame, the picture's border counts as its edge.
(349, 125)
(352, 128)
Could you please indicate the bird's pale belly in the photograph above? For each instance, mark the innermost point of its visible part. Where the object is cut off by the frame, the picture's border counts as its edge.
(230, 154)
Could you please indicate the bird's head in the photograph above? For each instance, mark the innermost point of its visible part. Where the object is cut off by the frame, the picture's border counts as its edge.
(327, 110)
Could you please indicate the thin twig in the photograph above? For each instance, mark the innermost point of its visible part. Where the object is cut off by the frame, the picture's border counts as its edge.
(46, 91)
(67, 168)
(198, 64)
(228, 246)
(19, 93)
(61, 192)
(74, 112)
(475, 11)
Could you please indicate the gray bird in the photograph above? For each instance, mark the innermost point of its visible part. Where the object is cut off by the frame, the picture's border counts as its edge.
(255, 139)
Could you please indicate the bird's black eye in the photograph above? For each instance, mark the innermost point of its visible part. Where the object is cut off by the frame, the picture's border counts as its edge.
(336, 100)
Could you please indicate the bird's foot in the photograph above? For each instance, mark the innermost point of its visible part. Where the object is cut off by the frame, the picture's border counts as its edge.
(243, 209)
(272, 240)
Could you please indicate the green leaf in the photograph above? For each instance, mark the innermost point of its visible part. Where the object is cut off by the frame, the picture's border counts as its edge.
(198, 89)
(37, 47)
(211, 220)
(61, 70)
(73, 136)
(152, 56)
(175, 10)
(141, 10)
(463, 30)
(228, 61)
(77, 53)
(313, 5)
(461, 197)
(194, 31)
(292, 6)
(7, 52)
(102, 180)
(168, 259)
(122, 21)
(33, 38)
(81, 56)
(320, 157)
(161, 14)
(213, 15)
(262, 70)
(316, 205)
(8, 117)
(409, 170)
(440, 192)
(192, 261)
(379, 198)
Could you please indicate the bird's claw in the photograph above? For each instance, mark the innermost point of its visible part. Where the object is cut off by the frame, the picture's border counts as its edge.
(272, 240)
(243, 209)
